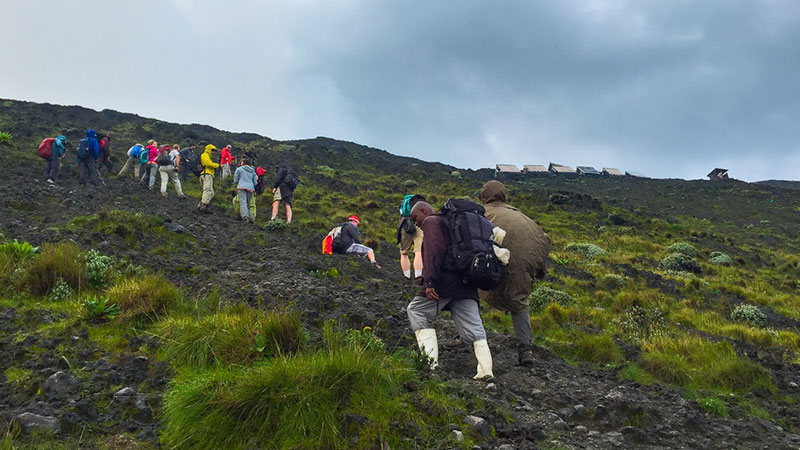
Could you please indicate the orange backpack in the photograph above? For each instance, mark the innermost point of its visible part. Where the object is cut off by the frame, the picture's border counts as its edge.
(327, 243)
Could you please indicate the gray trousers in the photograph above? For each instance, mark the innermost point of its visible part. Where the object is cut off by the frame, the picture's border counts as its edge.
(522, 329)
(422, 311)
(51, 170)
(244, 204)
(150, 170)
(88, 168)
(168, 173)
(132, 164)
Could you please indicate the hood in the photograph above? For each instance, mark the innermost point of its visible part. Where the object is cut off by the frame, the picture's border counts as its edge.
(493, 191)
(210, 148)
(61, 139)
(248, 169)
(90, 133)
(281, 166)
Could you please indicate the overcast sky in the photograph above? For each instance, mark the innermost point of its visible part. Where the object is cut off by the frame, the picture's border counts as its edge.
(669, 88)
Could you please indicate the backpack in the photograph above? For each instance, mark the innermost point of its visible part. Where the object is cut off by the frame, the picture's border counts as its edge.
(260, 185)
(46, 148)
(135, 151)
(144, 156)
(196, 165)
(291, 179)
(83, 148)
(332, 241)
(470, 251)
(164, 159)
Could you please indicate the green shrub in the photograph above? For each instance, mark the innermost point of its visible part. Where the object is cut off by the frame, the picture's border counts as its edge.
(60, 291)
(611, 281)
(56, 261)
(745, 312)
(97, 268)
(679, 262)
(586, 250)
(720, 259)
(684, 248)
(144, 299)
(100, 309)
(637, 324)
(276, 225)
(598, 349)
(695, 363)
(544, 295)
(455, 174)
(288, 402)
(19, 250)
(713, 406)
(235, 337)
(5, 138)
(364, 340)
(325, 171)
(410, 184)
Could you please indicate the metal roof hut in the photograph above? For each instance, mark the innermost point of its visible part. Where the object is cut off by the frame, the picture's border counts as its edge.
(718, 174)
(506, 171)
(558, 169)
(535, 169)
(612, 172)
(588, 171)
(635, 174)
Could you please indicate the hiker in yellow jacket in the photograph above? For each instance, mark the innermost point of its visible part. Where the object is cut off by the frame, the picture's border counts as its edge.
(207, 177)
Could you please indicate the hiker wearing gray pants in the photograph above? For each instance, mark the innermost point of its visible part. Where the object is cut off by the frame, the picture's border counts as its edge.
(443, 290)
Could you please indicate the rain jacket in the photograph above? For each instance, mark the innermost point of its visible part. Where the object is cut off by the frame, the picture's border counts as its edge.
(245, 178)
(59, 147)
(205, 160)
(105, 146)
(225, 156)
(529, 247)
(94, 146)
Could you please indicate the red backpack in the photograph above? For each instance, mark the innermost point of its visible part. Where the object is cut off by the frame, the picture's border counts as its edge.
(46, 147)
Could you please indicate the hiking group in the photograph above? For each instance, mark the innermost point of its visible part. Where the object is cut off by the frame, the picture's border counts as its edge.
(173, 165)
(462, 254)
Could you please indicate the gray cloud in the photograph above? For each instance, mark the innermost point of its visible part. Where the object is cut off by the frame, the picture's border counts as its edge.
(664, 88)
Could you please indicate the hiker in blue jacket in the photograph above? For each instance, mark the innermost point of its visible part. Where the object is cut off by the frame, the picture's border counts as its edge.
(88, 152)
(246, 180)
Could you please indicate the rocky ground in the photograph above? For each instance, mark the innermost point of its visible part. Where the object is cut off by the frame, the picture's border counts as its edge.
(86, 389)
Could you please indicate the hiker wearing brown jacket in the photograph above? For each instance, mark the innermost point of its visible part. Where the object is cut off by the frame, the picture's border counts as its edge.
(529, 247)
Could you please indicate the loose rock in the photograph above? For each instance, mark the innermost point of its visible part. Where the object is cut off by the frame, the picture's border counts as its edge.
(29, 422)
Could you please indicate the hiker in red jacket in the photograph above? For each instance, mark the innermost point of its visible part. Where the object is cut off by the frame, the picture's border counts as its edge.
(105, 155)
(225, 161)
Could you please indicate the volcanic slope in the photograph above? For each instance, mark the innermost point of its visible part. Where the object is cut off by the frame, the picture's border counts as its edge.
(636, 347)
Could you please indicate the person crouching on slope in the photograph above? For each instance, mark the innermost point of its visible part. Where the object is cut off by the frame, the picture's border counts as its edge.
(207, 177)
(350, 241)
(444, 290)
(529, 248)
(246, 180)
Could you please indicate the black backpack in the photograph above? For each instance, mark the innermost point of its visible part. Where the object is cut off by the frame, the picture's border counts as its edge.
(196, 165)
(470, 253)
(291, 179)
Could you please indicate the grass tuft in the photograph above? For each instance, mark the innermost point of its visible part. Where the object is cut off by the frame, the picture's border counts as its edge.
(144, 299)
(56, 261)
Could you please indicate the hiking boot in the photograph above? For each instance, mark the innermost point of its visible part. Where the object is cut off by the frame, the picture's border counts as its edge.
(525, 357)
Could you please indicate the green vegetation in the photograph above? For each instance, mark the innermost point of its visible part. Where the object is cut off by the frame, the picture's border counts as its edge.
(276, 225)
(544, 295)
(144, 299)
(713, 405)
(100, 309)
(5, 138)
(684, 248)
(56, 262)
(585, 250)
(750, 314)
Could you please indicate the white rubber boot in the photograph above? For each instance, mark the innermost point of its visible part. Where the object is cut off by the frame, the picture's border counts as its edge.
(426, 339)
(484, 357)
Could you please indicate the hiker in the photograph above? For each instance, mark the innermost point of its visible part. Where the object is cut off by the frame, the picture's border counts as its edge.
(285, 183)
(132, 164)
(225, 160)
(187, 158)
(169, 162)
(409, 237)
(529, 247)
(151, 167)
(144, 157)
(105, 153)
(246, 180)
(346, 240)
(207, 177)
(88, 152)
(58, 148)
(444, 290)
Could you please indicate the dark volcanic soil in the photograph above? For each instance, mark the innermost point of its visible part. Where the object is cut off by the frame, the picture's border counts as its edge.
(577, 406)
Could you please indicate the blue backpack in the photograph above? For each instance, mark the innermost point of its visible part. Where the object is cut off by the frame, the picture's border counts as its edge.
(83, 148)
(135, 151)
